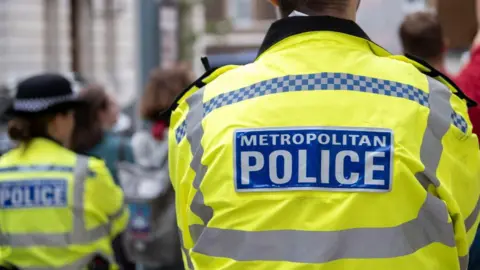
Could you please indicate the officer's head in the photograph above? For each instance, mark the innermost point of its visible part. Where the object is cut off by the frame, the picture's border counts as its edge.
(346, 9)
(422, 36)
(43, 106)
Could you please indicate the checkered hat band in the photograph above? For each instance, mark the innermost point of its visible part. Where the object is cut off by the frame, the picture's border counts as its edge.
(40, 104)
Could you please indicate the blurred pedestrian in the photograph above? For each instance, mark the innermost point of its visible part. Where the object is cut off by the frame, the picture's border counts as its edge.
(58, 209)
(163, 87)
(469, 78)
(327, 152)
(422, 36)
(151, 147)
(93, 135)
(6, 144)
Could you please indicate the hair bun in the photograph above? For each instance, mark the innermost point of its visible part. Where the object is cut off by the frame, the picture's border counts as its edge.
(19, 129)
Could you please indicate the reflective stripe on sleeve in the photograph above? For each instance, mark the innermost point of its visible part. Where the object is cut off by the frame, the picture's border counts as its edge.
(79, 234)
(438, 124)
(119, 213)
(185, 251)
(431, 226)
(194, 136)
(470, 220)
(464, 262)
(194, 133)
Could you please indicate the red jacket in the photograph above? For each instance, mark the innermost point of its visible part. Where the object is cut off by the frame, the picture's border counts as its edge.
(469, 81)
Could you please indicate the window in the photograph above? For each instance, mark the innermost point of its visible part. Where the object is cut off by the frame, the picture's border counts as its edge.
(241, 13)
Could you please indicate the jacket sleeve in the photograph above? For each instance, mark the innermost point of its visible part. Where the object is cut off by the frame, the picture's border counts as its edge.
(458, 168)
(107, 197)
(4, 253)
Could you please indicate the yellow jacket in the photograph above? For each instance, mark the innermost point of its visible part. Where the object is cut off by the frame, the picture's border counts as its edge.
(58, 209)
(327, 153)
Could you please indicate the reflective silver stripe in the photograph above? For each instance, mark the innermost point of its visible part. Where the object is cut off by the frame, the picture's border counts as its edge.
(194, 137)
(77, 265)
(431, 226)
(464, 262)
(438, 124)
(470, 220)
(79, 234)
(55, 240)
(185, 251)
(119, 213)
(80, 174)
(439, 121)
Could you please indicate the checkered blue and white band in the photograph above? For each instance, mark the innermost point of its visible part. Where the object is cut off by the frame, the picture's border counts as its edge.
(40, 104)
(321, 82)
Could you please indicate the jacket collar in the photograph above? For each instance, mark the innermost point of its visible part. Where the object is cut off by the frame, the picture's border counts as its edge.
(291, 26)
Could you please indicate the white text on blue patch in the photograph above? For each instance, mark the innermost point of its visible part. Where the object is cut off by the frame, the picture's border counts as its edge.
(33, 193)
(313, 158)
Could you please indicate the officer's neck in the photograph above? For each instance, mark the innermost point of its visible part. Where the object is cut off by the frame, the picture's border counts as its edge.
(57, 137)
(438, 63)
(346, 15)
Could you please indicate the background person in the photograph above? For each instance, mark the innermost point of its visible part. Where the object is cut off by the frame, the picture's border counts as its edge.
(93, 135)
(58, 209)
(151, 148)
(469, 77)
(422, 36)
(267, 176)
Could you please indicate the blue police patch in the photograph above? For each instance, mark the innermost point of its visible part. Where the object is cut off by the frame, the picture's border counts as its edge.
(40, 193)
(313, 159)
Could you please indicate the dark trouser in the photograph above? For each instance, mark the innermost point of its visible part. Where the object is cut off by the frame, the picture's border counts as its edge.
(171, 267)
(120, 254)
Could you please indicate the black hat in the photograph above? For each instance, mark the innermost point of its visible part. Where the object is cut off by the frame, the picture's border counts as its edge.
(43, 94)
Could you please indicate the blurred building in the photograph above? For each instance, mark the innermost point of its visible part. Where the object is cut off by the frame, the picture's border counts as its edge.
(236, 26)
(96, 38)
(458, 20)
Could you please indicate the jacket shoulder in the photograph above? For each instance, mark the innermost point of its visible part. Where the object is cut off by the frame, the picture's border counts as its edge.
(427, 70)
(199, 83)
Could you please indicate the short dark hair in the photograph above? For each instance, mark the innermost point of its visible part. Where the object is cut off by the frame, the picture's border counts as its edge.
(422, 36)
(287, 6)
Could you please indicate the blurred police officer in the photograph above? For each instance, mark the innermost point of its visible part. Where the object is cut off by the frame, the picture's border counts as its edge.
(326, 153)
(58, 210)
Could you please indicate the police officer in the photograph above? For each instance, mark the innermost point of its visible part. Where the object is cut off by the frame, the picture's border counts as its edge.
(327, 153)
(58, 210)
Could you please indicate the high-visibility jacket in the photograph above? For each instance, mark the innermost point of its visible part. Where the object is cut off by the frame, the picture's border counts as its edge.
(57, 209)
(328, 153)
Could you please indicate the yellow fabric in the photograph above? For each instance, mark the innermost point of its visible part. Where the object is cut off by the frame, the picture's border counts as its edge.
(317, 52)
(102, 199)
